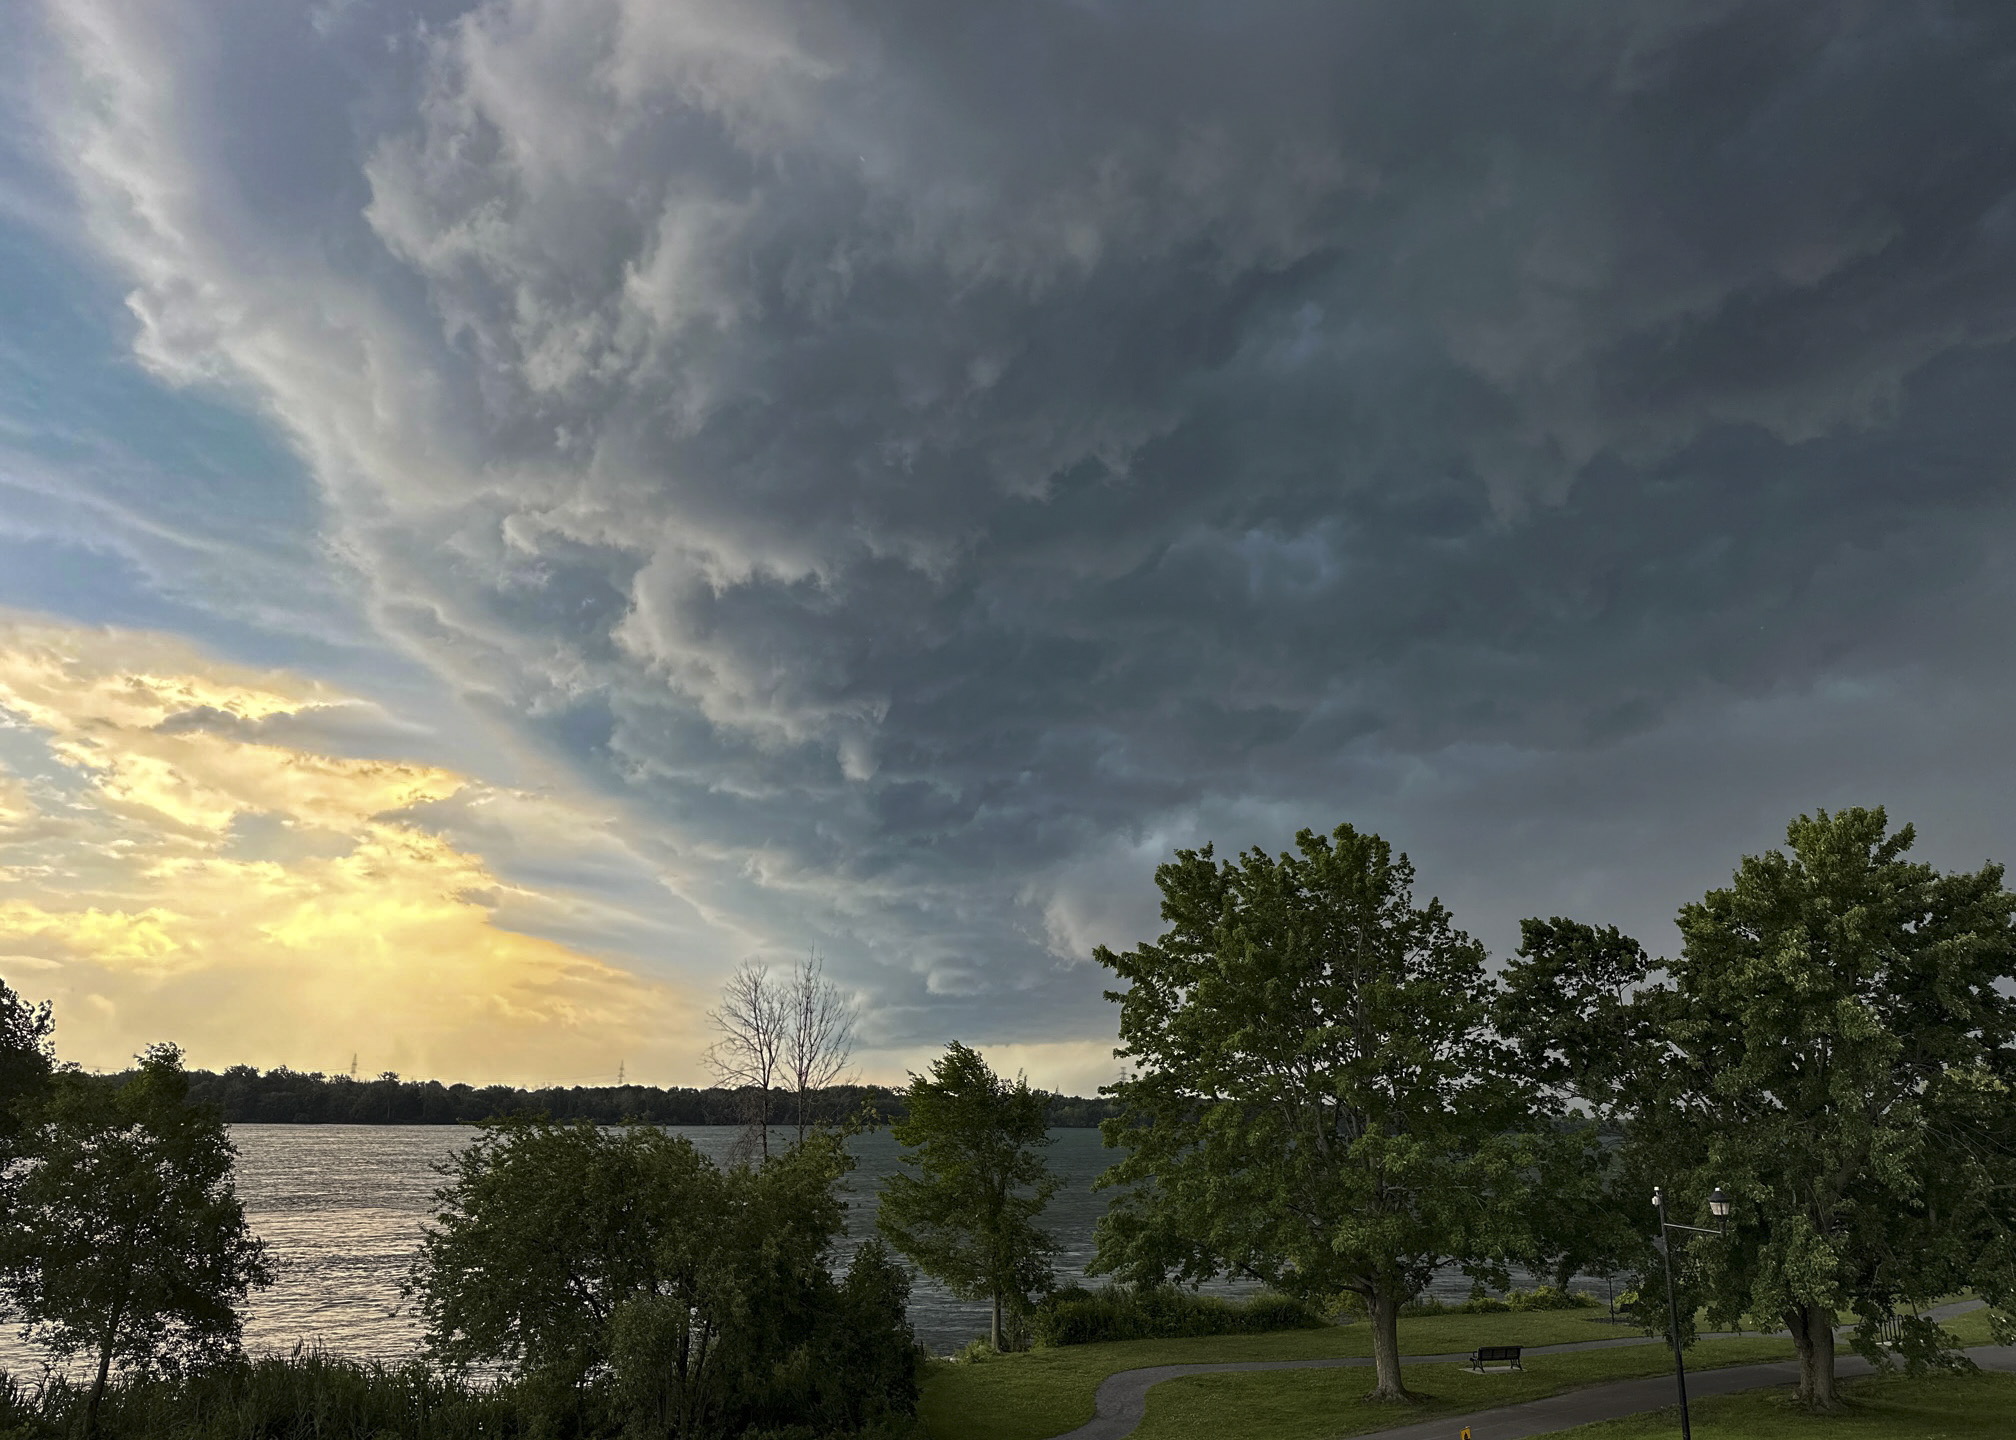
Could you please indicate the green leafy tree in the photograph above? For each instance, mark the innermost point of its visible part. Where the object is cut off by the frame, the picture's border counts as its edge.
(26, 1063)
(1834, 1047)
(1565, 1006)
(1316, 1098)
(967, 1217)
(619, 1267)
(129, 1243)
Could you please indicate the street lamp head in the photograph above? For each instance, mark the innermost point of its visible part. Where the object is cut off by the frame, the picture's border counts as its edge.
(1720, 1204)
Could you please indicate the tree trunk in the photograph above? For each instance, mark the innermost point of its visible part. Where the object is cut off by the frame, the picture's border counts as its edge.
(1812, 1328)
(1385, 1313)
(98, 1385)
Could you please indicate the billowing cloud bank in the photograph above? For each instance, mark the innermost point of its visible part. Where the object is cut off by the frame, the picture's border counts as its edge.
(932, 458)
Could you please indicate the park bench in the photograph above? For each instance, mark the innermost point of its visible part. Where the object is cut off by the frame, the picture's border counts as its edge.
(1506, 1356)
(1890, 1330)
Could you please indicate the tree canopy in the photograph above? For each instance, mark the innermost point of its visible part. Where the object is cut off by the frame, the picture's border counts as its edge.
(968, 1215)
(622, 1269)
(1316, 1099)
(129, 1244)
(1834, 1046)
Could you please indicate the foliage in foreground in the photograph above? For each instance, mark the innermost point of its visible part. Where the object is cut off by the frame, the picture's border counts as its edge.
(619, 1280)
(127, 1244)
(1076, 1316)
(311, 1396)
(307, 1396)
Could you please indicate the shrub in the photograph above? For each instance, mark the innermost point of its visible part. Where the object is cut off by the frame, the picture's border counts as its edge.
(1076, 1316)
(1544, 1297)
(1547, 1297)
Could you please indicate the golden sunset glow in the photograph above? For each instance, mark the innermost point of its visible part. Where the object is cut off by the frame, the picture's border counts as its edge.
(168, 869)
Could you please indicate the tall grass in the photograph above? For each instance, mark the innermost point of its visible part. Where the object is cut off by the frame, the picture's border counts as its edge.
(305, 1396)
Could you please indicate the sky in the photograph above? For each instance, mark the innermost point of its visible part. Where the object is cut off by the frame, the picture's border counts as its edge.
(509, 509)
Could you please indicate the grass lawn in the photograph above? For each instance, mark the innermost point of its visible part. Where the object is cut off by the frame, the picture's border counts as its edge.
(1972, 1328)
(1046, 1392)
(1316, 1404)
(1938, 1407)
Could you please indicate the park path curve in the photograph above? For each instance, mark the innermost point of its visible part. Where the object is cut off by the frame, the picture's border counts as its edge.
(1122, 1399)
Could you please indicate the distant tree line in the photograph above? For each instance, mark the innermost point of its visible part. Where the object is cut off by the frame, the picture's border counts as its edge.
(244, 1095)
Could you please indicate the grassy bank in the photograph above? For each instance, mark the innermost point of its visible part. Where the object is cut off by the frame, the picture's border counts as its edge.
(1317, 1404)
(1046, 1392)
(1937, 1407)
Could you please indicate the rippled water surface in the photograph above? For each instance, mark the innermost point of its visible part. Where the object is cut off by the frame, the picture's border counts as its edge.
(340, 1208)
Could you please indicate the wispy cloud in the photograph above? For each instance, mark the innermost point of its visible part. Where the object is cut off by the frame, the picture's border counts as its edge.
(255, 901)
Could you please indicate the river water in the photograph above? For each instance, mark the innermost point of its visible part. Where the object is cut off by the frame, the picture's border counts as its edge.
(340, 1208)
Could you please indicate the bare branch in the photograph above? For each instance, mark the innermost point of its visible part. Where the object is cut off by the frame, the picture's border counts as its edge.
(755, 1023)
(821, 1039)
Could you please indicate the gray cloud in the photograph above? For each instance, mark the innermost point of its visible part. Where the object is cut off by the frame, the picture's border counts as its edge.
(932, 459)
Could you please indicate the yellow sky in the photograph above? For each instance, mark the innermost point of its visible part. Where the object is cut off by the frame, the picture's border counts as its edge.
(177, 862)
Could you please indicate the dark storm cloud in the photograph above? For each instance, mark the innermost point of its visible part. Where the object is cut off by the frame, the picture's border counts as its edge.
(934, 456)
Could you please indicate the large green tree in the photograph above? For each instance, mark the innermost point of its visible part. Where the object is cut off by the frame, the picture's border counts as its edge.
(968, 1216)
(618, 1267)
(129, 1244)
(1834, 1046)
(1317, 1100)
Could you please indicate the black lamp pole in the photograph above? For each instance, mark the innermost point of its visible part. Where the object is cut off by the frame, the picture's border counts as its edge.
(1719, 1204)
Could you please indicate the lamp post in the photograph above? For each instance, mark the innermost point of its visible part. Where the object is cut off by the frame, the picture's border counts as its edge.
(1718, 1205)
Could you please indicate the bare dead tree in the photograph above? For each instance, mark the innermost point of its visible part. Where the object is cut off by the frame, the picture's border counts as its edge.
(755, 1023)
(821, 1039)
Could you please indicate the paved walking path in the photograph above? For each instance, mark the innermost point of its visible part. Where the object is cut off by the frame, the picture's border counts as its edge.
(1122, 1399)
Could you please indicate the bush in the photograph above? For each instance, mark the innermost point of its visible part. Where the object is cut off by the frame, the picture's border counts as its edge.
(1076, 1316)
(1544, 1297)
(618, 1277)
